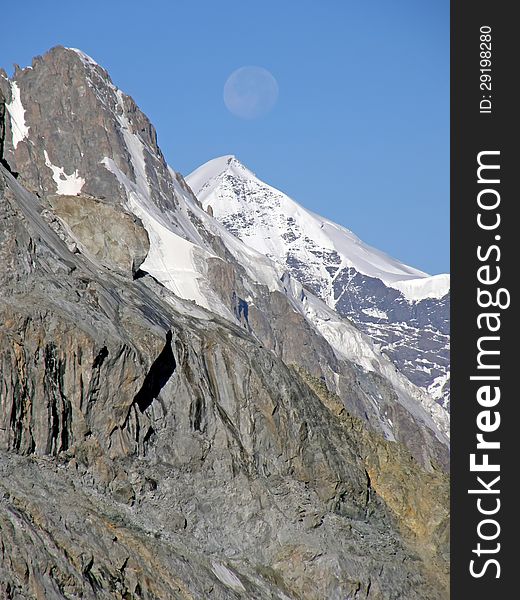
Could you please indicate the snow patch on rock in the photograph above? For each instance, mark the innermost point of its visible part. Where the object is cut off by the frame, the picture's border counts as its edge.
(436, 388)
(376, 313)
(17, 113)
(66, 185)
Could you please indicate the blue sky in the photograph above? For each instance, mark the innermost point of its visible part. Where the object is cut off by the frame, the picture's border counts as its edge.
(360, 132)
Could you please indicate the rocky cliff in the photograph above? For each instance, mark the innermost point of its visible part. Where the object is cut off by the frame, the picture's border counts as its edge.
(151, 447)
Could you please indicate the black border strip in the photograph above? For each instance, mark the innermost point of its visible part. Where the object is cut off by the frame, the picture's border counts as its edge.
(473, 132)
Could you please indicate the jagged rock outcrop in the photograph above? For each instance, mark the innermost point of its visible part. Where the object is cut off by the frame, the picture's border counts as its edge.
(152, 448)
(114, 238)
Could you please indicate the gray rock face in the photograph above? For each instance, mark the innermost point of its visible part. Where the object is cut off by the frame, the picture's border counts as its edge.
(274, 322)
(117, 166)
(65, 116)
(110, 236)
(150, 448)
(170, 435)
(416, 336)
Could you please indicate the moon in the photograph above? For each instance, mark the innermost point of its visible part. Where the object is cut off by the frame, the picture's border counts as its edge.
(250, 92)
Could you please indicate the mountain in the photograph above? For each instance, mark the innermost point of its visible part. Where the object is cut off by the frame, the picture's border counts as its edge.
(179, 416)
(405, 311)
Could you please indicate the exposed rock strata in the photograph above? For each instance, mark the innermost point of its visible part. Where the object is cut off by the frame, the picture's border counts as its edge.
(218, 472)
(150, 448)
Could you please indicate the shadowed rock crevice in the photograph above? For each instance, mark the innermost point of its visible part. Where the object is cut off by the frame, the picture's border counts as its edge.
(241, 310)
(161, 370)
(198, 415)
(60, 412)
(139, 274)
(100, 357)
(3, 113)
(22, 438)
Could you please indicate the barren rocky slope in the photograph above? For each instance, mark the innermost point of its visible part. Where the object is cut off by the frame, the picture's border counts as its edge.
(152, 448)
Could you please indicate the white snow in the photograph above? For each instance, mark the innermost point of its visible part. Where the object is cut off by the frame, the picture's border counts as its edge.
(375, 312)
(435, 389)
(171, 259)
(227, 577)
(436, 286)
(67, 185)
(17, 113)
(204, 176)
(263, 216)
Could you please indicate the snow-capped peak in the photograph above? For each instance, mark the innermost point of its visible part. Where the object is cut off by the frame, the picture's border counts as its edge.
(208, 175)
(275, 225)
(383, 296)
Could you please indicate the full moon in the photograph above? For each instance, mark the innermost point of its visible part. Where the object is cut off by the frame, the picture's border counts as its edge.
(250, 92)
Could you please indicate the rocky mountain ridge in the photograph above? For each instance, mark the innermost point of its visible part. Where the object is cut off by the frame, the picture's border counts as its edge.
(120, 162)
(153, 446)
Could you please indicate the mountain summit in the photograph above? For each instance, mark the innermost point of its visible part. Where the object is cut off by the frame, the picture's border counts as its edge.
(402, 308)
(280, 226)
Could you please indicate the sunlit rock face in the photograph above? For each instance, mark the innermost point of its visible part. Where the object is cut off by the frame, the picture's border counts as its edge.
(112, 237)
(176, 418)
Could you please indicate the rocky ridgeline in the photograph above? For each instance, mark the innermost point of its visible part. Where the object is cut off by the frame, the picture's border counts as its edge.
(151, 448)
